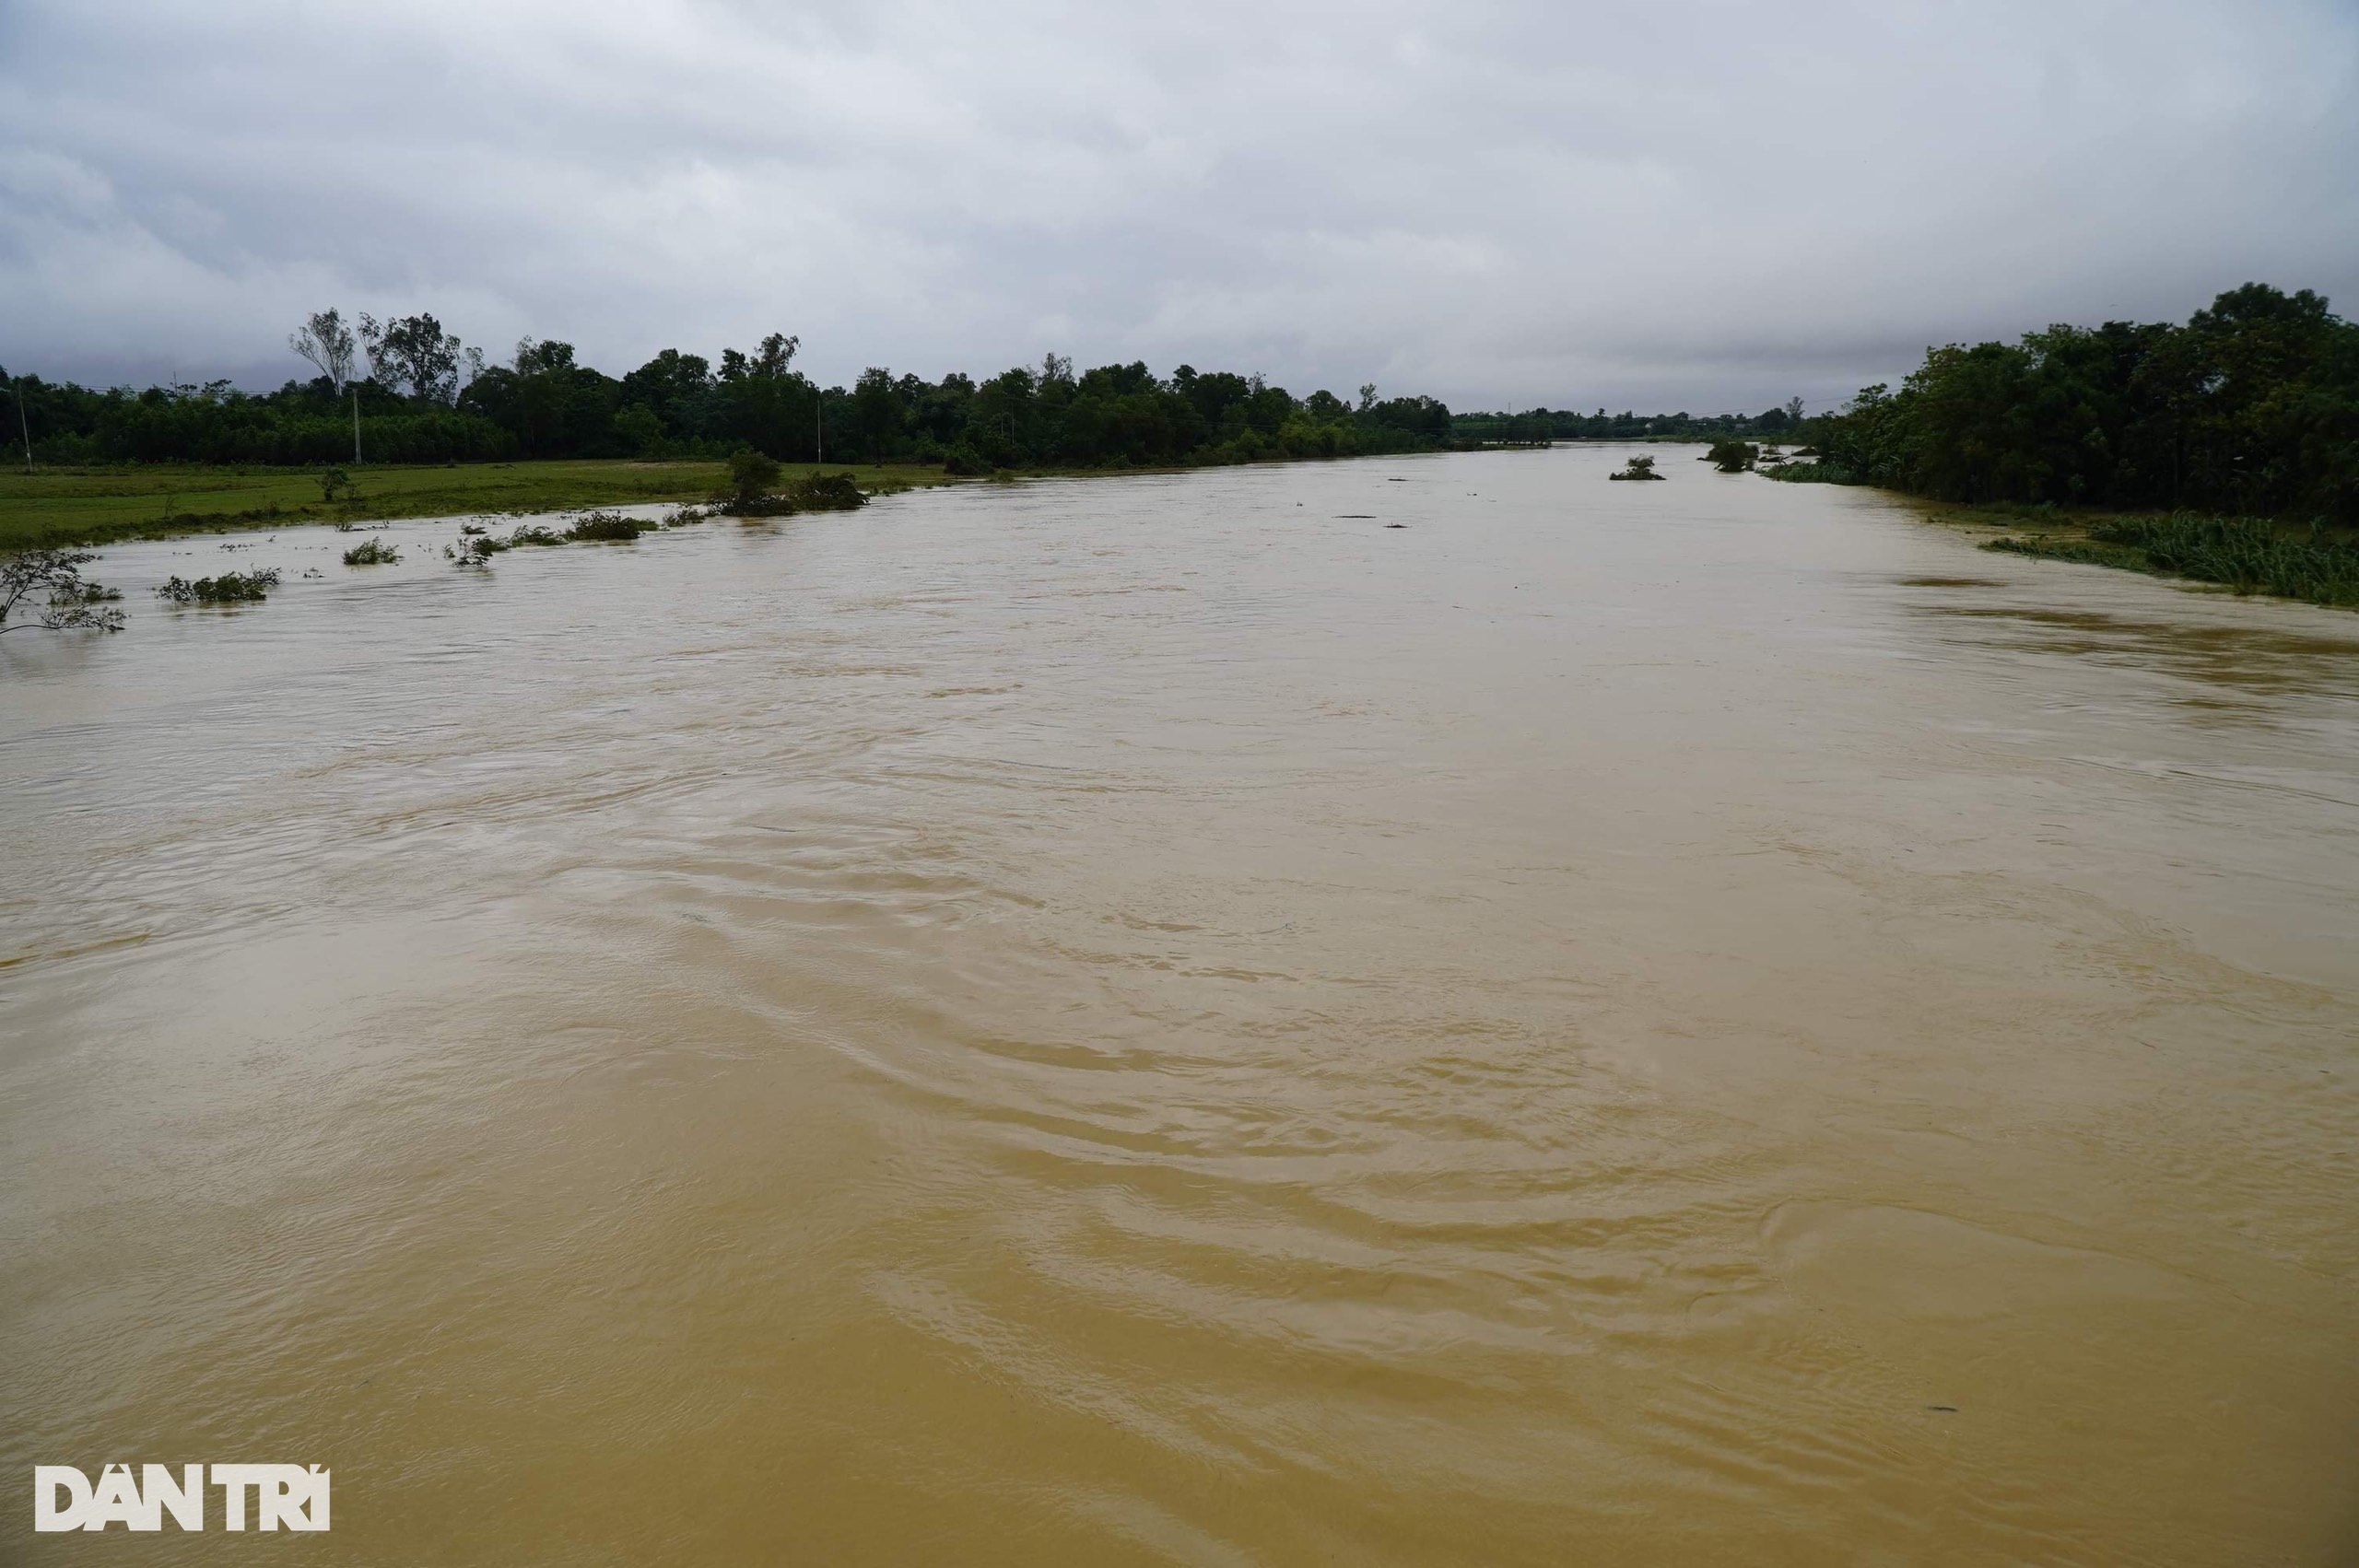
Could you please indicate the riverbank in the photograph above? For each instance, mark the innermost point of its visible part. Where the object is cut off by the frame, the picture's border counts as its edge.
(103, 506)
(2243, 556)
(58, 507)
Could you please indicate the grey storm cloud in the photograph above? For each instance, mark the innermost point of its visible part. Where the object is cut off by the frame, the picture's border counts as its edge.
(1696, 206)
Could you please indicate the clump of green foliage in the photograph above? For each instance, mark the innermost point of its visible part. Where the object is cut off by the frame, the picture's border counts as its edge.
(611, 528)
(1733, 457)
(1637, 468)
(1819, 472)
(2246, 555)
(475, 547)
(751, 475)
(375, 553)
(229, 588)
(332, 481)
(827, 492)
(62, 600)
(2251, 408)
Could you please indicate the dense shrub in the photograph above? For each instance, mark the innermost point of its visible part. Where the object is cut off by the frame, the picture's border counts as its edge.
(229, 588)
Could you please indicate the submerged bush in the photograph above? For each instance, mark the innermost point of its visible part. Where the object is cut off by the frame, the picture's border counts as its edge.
(827, 492)
(812, 493)
(376, 553)
(475, 547)
(1637, 468)
(1813, 473)
(1733, 457)
(751, 474)
(607, 528)
(229, 588)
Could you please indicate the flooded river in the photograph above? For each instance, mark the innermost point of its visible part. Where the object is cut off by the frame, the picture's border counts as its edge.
(1167, 1020)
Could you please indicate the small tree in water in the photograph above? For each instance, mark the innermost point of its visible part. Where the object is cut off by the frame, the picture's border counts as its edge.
(63, 601)
(1637, 468)
(751, 474)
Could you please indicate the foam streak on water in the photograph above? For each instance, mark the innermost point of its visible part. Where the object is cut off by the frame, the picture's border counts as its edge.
(1156, 1021)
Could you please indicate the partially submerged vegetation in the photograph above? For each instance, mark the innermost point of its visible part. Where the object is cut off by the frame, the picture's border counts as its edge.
(749, 495)
(2243, 555)
(1732, 456)
(754, 490)
(1636, 468)
(375, 553)
(229, 588)
(1817, 471)
(752, 476)
(607, 528)
(475, 546)
(45, 589)
(67, 507)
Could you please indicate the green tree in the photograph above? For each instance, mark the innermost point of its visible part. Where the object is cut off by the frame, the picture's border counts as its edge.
(327, 343)
(876, 414)
(414, 352)
(752, 476)
(50, 586)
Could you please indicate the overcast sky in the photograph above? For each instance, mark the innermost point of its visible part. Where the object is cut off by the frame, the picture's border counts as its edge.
(1698, 206)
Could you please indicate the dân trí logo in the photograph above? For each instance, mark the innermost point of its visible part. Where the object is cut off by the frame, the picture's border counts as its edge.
(285, 1497)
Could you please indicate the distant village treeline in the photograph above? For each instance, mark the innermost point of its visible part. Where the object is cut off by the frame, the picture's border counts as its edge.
(420, 395)
(427, 398)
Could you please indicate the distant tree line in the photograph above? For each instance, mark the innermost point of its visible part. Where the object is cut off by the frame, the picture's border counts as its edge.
(1536, 426)
(2252, 407)
(427, 398)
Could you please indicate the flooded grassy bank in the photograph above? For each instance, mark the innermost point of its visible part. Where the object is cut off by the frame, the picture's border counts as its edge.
(99, 505)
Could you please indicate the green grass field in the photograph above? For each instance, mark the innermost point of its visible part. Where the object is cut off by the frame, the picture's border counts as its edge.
(96, 505)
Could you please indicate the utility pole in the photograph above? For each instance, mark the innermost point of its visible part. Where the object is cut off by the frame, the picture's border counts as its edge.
(23, 427)
(356, 424)
(819, 424)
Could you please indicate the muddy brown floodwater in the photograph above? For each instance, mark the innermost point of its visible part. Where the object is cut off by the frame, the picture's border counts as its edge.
(1165, 1020)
